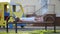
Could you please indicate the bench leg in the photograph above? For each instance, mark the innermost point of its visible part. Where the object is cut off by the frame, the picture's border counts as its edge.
(7, 27)
(16, 27)
(45, 26)
(54, 29)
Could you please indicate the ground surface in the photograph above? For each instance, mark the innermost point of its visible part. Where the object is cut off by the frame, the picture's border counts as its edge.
(30, 30)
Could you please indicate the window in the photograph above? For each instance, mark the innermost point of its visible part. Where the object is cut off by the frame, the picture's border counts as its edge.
(14, 8)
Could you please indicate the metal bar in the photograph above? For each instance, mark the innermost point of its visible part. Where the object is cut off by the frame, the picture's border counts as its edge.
(16, 27)
(7, 27)
(45, 26)
(54, 28)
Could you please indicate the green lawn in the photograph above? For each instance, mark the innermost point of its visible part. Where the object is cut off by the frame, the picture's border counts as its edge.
(31, 32)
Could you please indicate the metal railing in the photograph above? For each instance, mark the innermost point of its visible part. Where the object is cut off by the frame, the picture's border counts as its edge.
(50, 9)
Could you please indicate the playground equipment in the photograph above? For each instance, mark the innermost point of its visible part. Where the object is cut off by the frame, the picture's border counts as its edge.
(3, 13)
(18, 14)
(6, 12)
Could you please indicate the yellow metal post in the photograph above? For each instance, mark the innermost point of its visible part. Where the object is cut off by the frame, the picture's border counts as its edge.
(19, 14)
(2, 21)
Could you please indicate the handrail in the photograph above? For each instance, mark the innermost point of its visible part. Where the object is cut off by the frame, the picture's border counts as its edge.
(45, 6)
(40, 8)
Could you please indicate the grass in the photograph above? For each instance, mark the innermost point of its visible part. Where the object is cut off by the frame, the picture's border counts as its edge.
(31, 32)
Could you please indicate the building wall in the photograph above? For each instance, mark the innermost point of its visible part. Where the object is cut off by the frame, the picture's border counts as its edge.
(29, 5)
(57, 6)
(36, 5)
